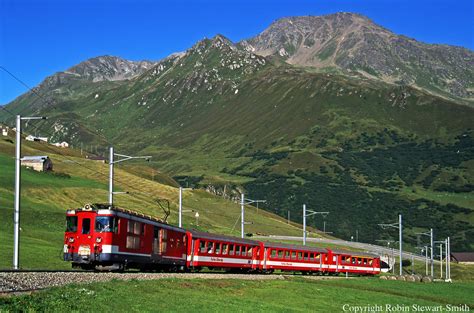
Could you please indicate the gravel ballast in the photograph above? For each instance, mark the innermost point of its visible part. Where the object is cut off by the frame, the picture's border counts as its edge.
(27, 281)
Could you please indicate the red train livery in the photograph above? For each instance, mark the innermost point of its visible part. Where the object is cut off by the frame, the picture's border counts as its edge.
(100, 237)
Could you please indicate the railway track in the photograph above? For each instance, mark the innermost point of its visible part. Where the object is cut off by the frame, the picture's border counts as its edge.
(25, 281)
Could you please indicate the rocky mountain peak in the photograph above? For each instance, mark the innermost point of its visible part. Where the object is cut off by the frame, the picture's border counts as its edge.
(354, 45)
(109, 68)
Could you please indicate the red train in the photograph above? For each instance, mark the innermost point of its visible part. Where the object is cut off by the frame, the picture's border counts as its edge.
(100, 237)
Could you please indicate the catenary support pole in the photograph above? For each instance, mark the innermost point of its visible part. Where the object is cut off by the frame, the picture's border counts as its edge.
(16, 216)
(446, 258)
(441, 260)
(400, 241)
(432, 253)
(180, 206)
(242, 203)
(304, 224)
(111, 176)
(449, 259)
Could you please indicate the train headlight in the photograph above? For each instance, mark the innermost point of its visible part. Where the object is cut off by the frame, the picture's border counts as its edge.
(71, 239)
(98, 240)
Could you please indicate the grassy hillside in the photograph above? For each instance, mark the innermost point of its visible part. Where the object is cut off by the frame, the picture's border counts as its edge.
(291, 295)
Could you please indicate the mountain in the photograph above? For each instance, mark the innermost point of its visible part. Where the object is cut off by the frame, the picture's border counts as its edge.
(221, 117)
(355, 45)
(109, 68)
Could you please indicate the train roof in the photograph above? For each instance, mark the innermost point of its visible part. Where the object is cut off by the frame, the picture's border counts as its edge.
(354, 253)
(294, 247)
(102, 208)
(204, 235)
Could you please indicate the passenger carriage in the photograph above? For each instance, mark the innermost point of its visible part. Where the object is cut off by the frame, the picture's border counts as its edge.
(221, 252)
(286, 257)
(98, 236)
(342, 261)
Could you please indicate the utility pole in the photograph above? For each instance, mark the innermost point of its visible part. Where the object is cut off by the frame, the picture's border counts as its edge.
(16, 214)
(305, 215)
(400, 241)
(441, 259)
(242, 216)
(430, 234)
(400, 235)
(243, 202)
(432, 252)
(448, 255)
(180, 207)
(111, 170)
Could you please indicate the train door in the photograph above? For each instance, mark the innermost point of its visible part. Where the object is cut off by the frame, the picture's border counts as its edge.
(156, 240)
(84, 234)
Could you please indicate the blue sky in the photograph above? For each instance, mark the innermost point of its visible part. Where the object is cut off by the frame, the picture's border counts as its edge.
(39, 38)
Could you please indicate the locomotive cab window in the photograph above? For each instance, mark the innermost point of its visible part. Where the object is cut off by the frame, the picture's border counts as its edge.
(86, 226)
(71, 224)
(104, 224)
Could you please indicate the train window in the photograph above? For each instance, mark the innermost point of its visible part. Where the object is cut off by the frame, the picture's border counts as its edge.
(106, 224)
(249, 251)
(218, 248)
(300, 255)
(293, 255)
(306, 256)
(86, 226)
(156, 246)
(280, 254)
(353, 260)
(237, 250)
(273, 253)
(133, 242)
(231, 249)
(287, 254)
(210, 247)
(370, 262)
(163, 240)
(71, 224)
(224, 248)
(202, 246)
(365, 261)
(244, 250)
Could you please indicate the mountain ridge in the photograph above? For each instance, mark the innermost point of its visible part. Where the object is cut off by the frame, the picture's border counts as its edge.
(331, 41)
